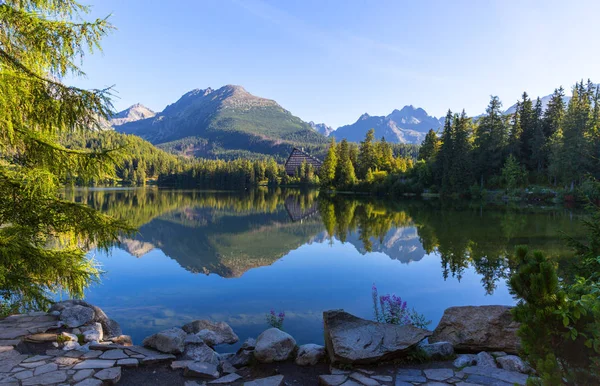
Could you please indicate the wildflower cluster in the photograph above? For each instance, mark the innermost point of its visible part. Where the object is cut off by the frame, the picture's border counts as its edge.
(275, 320)
(392, 310)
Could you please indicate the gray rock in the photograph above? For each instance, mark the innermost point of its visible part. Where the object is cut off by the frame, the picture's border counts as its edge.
(276, 380)
(68, 336)
(249, 344)
(498, 354)
(353, 340)
(201, 352)
(76, 316)
(92, 354)
(94, 364)
(181, 364)
(363, 379)
(128, 362)
(226, 380)
(201, 370)
(23, 374)
(227, 368)
(109, 376)
(46, 378)
(158, 358)
(439, 350)
(209, 337)
(93, 333)
(169, 341)
(410, 375)
(192, 338)
(37, 358)
(123, 340)
(510, 377)
(332, 380)
(45, 369)
(464, 360)
(486, 381)
(82, 374)
(478, 328)
(222, 330)
(114, 354)
(71, 345)
(485, 360)
(274, 345)
(513, 363)
(439, 374)
(110, 327)
(310, 354)
(382, 378)
(242, 358)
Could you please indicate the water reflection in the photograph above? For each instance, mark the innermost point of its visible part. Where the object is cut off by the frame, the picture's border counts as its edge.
(304, 253)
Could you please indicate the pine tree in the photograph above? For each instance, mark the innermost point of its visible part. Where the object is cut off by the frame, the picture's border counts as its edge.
(538, 141)
(327, 171)
(461, 176)
(367, 156)
(345, 175)
(446, 154)
(528, 126)
(43, 238)
(490, 141)
(514, 138)
(430, 146)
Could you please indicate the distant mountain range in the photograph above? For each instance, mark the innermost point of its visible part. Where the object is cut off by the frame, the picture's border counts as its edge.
(321, 128)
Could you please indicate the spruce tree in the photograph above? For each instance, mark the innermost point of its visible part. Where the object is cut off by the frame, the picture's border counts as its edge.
(461, 175)
(490, 141)
(327, 171)
(43, 238)
(367, 156)
(345, 175)
(430, 146)
(538, 148)
(446, 154)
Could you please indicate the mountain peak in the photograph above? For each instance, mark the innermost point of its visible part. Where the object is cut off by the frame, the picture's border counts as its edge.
(132, 113)
(364, 116)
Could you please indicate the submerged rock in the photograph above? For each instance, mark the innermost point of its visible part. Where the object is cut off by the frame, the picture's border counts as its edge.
(169, 341)
(353, 340)
(274, 345)
(478, 328)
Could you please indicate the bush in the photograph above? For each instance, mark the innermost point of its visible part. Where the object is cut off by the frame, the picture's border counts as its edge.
(392, 310)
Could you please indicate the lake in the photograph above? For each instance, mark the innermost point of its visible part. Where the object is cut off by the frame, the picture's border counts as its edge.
(233, 257)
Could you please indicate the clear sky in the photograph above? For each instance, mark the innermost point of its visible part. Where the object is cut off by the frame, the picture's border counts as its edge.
(330, 61)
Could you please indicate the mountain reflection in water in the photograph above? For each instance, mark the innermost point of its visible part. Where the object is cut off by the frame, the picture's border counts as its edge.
(304, 252)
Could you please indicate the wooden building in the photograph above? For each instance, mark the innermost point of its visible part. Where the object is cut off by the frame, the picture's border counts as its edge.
(297, 157)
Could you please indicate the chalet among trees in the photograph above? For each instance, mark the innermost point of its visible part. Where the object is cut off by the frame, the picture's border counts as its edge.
(297, 158)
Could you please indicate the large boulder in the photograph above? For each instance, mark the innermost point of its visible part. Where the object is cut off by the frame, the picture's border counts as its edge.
(169, 341)
(353, 340)
(274, 345)
(439, 350)
(478, 328)
(201, 352)
(68, 308)
(221, 331)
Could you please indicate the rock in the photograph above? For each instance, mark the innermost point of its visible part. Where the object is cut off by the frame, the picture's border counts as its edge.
(485, 360)
(201, 352)
(226, 380)
(242, 358)
(90, 382)
(249, 344)
(439, 374)
(109, 376)
(46, 378)
(69, 337)
(497, 354)
(110, 327)
(382, 378)
(82, 374)
(123, 340)
(410, 375)
(353, 340)
(332, 380)
(180, 364)
(169, 341)
(24, 374)
(71, 345)
(509, 377)
(114, 354)
(274, 345)
(192, 338)
(439, 350)
(201, 370)
(363, 379)
(310, 354)
(128, 362)
(93, 333)
(226, 367)
(513, 363)
(94, 364)
(276, 380)
(478, 328)
(464, 360)
(223, 333)
(209, 337)
(76, 316)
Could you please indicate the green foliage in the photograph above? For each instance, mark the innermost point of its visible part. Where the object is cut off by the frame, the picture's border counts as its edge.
(430, 146)
(560, 318)
(43, 238)
(327, 171)
(513, 173)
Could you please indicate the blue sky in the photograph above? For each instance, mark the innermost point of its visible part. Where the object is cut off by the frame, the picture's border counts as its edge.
(330, 61)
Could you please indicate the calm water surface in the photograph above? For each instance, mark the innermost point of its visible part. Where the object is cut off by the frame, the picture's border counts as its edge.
(234, 256)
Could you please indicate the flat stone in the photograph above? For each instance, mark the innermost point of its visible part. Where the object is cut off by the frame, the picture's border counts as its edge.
(410, 375)
(24, 374)
(382, 378)
(499, 374)
(105, 346)
(92, 354)
(13, 333)
(332, 380)
(336, 371)
(142, 350)
(46, 378)
(276, 380)
(54, 352)
(37, 358)
(128, 362)
(82, 374)
(466, 384)
(439, 374)
(94, 364)
(229, 378)
(45, 369)
(181, 364)
(31, 365)
(363, 379)
(201, 370)
(66, 361)
(157, 359)
(402, 383)
(90, 382)
(42, 337)
(436, 384)
(351, 382)
(487, 381)
(114, 354)
(9, 342)
(110, 376)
